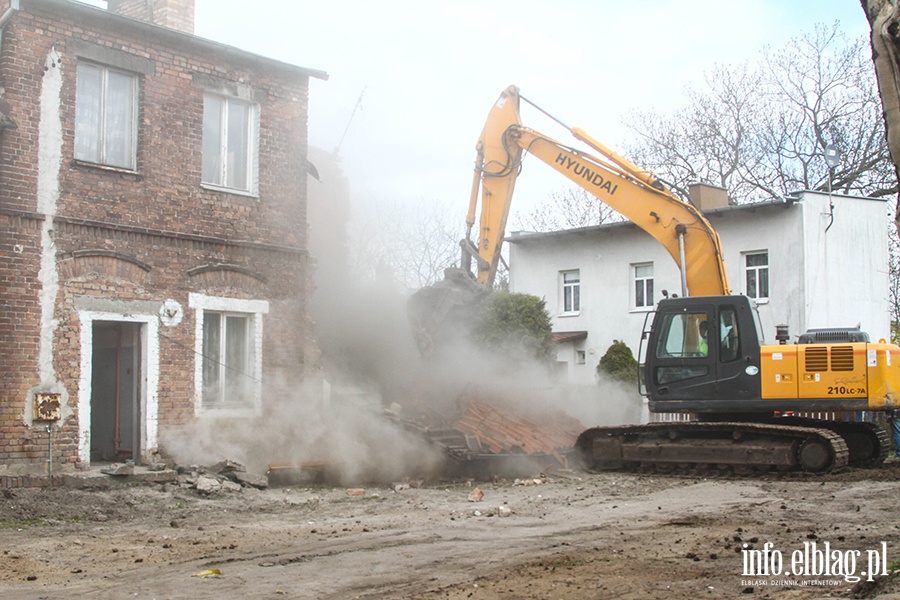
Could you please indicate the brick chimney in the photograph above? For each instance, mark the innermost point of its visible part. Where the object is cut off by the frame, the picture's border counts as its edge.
(174, 14)
(707, 197)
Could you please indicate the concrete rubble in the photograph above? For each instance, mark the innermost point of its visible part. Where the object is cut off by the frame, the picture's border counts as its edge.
(489, 436)
(224, 476)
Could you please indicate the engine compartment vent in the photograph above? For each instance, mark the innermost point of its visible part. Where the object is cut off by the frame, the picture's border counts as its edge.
(837, 335)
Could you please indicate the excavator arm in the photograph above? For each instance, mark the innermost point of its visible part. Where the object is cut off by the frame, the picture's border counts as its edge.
(636, 194)
(437, 312)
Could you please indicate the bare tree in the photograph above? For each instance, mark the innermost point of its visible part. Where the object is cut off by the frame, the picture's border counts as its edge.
(884, 19)
(760, 130)
(570, 208)
(710, 140)
(410, 243)
(825, 92)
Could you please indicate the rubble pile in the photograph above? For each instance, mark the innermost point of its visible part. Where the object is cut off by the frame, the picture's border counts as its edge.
(497, 436)
(224, 476)
(499, 431)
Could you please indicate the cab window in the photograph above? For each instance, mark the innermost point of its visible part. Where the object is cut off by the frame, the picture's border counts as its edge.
(729, 340)
(683, 336)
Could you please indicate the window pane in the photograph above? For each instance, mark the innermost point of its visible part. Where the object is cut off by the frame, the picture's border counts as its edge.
(212, 140)
(757, 260)
(643, 271)
(105, 116)
(751, 283)
(87, 113)
(576, 304)
(119, 120)
(212, 338)
(649, 293)
(729, 340)
(683, 338)
(238, 144)
(683, 335)
(764, 283)
(236, 359)
(639, 293)
(671, 342)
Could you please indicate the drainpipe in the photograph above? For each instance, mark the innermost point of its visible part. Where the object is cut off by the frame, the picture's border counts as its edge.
(5, 17)
(50, 454)
(681, 230)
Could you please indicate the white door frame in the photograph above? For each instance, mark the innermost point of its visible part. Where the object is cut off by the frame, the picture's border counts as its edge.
(149, 385)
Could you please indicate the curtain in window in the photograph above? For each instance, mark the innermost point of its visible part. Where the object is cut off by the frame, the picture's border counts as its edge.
(212, 140)
(87, 113)
(119, 120)
(212, 343)
(226, 142)
(236, 378)
(238, 144)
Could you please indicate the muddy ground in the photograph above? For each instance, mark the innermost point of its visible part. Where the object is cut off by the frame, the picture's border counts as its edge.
(608, 535)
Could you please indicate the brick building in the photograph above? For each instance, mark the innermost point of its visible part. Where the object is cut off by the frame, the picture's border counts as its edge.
(153, 263)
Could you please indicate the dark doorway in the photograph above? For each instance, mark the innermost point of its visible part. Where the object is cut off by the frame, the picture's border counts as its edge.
(115, 391)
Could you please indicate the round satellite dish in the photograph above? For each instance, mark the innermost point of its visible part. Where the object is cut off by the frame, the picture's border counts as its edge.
(832, 156)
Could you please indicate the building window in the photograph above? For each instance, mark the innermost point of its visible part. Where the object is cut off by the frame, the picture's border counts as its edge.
(571, 291)
(228, 372)
(105, 116)
(580, 357)
(756, 269)
(230, 137)
(226, 360)
(643, 285)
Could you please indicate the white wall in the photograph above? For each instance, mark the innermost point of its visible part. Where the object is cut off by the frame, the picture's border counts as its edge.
(849, 283)
(817, 279)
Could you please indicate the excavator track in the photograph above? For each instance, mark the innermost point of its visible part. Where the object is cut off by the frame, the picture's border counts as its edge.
(868, 443)
(724, 447)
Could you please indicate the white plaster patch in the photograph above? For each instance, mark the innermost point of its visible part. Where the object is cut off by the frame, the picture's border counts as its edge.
(50, 141)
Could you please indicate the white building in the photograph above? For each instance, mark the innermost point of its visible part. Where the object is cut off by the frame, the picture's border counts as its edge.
(810, 261)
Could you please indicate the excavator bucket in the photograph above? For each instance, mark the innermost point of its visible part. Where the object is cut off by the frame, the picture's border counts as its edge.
(439, 313)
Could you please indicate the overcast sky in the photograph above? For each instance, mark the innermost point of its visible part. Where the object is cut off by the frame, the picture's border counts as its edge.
(429, 71)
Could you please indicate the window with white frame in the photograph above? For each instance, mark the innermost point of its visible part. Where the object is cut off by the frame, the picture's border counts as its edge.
(105, 116)
(571, 291)
(756, 271)
(228, 371)
(643, 285)
(226, 359)
(230, 140)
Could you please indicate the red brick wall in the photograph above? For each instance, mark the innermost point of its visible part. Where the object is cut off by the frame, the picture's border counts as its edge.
(19, 328)
(143, 236)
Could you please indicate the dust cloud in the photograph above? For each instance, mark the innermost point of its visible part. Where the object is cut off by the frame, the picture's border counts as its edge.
(372, 370)
(371, 373)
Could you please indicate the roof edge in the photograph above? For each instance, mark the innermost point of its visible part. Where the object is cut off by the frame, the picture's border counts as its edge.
(165, 33)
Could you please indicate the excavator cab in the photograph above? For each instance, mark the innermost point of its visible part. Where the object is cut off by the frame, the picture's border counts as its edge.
(701, 355)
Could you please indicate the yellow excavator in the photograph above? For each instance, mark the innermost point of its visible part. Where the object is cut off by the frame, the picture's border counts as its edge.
(701, 352)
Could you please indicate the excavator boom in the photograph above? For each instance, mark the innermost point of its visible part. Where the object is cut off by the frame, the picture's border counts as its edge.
(637, 194)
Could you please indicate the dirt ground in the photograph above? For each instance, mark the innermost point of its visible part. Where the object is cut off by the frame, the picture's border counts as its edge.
(609, 535)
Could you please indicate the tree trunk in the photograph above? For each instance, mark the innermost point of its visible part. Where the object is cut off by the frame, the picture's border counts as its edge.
(884, 19)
